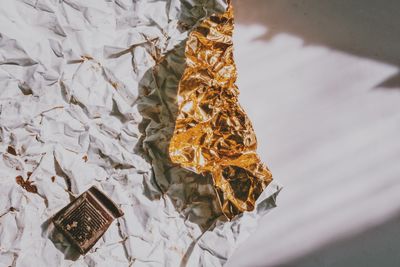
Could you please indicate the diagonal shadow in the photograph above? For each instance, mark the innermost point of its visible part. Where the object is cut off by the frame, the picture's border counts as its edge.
(377, 246)
(365, 28)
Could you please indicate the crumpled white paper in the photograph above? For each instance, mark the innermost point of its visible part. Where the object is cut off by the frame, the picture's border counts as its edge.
(74, 106)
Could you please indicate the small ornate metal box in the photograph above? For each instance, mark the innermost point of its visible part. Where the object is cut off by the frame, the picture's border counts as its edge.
(87, 218)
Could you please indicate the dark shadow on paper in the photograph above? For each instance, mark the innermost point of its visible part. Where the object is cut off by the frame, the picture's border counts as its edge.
(364, 28)
(193, 195)
(59, 241)
(377, 246)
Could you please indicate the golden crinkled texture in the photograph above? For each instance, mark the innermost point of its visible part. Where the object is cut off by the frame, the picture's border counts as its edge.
(213, 136)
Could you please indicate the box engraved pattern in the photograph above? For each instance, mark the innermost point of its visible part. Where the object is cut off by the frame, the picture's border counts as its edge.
(86, 218)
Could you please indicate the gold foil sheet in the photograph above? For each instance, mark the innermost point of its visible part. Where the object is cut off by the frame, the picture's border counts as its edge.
(213, 135)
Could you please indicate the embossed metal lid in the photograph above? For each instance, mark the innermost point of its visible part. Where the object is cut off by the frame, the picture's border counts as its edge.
(87, 218)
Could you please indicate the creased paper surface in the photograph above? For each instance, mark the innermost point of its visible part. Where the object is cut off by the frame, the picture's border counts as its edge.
(88, 97)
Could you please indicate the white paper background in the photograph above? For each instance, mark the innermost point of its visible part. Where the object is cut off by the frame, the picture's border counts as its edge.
(320, 82)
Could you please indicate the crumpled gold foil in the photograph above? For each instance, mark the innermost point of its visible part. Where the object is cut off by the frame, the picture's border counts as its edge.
(213, 136)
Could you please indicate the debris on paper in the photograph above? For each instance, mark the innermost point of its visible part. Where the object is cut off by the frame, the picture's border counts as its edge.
(88, 97)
